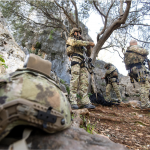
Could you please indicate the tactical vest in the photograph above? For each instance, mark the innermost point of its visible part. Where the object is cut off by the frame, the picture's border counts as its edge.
(134, 56)
(111, 75)
(76, 51)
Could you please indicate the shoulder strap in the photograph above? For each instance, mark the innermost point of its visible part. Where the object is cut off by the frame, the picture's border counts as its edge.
(113, 71)
(129, 51)
(21, 144)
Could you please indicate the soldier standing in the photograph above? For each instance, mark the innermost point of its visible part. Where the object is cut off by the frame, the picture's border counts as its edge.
(134, 59)
(79, 76)
(111, 77)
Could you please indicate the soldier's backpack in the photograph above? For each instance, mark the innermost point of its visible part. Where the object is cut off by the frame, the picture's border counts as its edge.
(134, 55)
(101, 100)
(30, 97)
(134, 59)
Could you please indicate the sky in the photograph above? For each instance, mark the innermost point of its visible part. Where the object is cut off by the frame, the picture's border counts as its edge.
(94, 23)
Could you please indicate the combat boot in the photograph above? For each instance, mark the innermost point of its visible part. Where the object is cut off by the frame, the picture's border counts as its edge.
(74, 106)
(116, 101)
(89, 106)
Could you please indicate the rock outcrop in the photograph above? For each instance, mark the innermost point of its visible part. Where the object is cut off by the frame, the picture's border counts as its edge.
(74, 139)
(70, 139)
(9, 49)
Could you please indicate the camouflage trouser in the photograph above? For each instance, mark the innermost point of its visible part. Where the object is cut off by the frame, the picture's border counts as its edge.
(79, 81)
(144, 94)
(115, 86)
(144, 86)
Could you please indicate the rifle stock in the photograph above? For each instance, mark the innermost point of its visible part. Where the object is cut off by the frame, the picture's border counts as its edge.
(148, 64)
(106, 80)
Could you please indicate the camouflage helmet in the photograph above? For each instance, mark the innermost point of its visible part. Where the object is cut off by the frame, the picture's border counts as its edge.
(75, 30)
(30, 97)
(107, 65)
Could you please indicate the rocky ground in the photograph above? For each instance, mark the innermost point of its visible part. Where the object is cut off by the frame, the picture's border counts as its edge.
(123, 124)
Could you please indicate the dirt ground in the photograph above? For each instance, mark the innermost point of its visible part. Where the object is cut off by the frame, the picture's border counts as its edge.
(123, 124)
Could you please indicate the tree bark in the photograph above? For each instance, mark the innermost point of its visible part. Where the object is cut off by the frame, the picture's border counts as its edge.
(117, 23)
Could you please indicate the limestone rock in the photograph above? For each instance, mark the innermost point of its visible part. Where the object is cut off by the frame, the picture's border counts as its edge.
(74, 139)
(134, 103)
(9, 49)
(71, 139)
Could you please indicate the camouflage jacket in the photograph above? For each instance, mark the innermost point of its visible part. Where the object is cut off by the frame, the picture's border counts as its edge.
(75, 46)
(111, 74)
(134, 54)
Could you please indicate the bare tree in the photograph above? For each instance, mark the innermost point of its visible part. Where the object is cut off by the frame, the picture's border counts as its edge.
(108, 29)
(55, 12)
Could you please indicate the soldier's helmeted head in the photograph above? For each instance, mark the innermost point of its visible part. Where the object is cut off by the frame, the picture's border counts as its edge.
(107, 65)
(75, 31)
(133, 42)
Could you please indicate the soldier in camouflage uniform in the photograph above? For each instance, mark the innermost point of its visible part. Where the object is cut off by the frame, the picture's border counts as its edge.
(31, 97)
(111, 77)
(79, 76)
(134, 59)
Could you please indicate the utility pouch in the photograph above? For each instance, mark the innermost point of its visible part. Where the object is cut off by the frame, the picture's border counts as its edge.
(69, 50)
(131, 79)
(142, 79)
(139, 66)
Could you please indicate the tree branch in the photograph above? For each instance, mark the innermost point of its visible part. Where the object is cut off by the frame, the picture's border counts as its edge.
(121, 7)
(113, 52)
(57, 23)
(122, 19)
(76, 12)
(117, 23)
(138, 39)
(66, 13)
(130, 23)
(94, 2)
(105, 25)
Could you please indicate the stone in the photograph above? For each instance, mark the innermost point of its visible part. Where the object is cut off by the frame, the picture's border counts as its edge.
(70, 139)
(134, 103)
(9, 49)
(140, 134)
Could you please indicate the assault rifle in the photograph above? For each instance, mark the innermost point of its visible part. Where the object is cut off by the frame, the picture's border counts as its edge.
(106, 80)
(90, 67)
(88, 61)
(148, 63)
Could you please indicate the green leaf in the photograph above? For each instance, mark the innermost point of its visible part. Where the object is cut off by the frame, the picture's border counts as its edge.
(5, 65)
(1, 59)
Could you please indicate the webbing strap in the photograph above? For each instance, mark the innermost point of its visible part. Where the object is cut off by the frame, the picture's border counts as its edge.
(75, 62)
(129, 51)
(138, 65)
(21, 144)
(75, 54)
(109, 75)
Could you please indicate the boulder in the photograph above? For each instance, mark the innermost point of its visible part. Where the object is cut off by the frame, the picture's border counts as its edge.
(69, 139)
(9, 49)
(73, 139)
